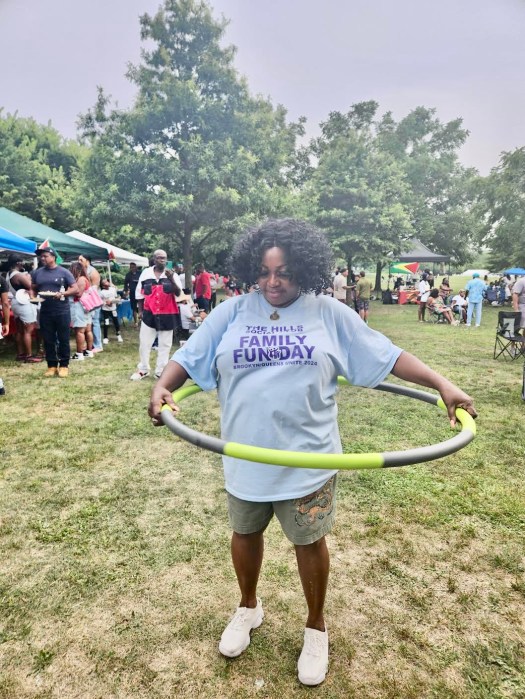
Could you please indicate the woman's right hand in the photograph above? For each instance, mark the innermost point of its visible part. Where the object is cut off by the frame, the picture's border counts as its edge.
(160, 396)
(173, 376)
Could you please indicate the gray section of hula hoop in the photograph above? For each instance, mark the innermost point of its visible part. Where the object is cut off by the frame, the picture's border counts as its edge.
(419, 454)
(430, 453)
(197, 438)
(408, 392)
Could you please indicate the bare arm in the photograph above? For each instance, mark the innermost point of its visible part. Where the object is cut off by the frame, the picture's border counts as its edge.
(23, 279)
(410, 368)
(515, 299)
(94, 277)
(4, 300)
(174, 376)
(72, 290)
(175, 281)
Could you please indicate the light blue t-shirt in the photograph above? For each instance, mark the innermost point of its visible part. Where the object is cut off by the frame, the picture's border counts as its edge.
(475, 288)
(277, 379)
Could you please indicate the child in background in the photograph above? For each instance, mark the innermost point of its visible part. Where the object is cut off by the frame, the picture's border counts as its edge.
(109, 295)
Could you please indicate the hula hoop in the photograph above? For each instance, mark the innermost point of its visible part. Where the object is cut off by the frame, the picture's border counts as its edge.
(297, 459)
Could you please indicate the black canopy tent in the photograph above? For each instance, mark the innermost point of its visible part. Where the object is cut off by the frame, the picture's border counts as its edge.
(416, 252)
(420, 253)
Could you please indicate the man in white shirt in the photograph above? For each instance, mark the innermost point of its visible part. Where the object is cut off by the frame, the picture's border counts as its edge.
(459, 305)
(340, 285)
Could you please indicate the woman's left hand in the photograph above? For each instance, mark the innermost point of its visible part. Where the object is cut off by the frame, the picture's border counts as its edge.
(454, 398)
(410, 368)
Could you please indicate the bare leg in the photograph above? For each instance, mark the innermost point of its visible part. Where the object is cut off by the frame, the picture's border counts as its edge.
(28, 337)
(313, 561)
(20, 338)
(247, 555)
(89, 337)
(80, 338)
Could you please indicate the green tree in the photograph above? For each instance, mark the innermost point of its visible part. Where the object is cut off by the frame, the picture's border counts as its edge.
(502, 200)
(358, 191)
(36, 169)
(442, 191)
(197, 154)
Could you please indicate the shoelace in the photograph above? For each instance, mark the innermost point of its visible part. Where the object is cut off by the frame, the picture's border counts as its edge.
(240, 618)
(314, 645)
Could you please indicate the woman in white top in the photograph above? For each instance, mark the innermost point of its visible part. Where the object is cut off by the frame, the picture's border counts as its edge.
(109, 295)
(424, 290)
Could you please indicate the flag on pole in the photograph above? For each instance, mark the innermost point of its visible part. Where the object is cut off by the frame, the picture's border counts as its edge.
(404, 267)
(111, 255)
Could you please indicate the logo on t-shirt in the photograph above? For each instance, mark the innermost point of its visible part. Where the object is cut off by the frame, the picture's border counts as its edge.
(274, 345)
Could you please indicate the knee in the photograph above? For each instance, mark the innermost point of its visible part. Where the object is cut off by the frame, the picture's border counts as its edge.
(315, 546)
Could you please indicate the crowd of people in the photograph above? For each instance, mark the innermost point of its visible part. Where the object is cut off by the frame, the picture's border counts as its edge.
(168, 305)
(46, 306)
(466, 305)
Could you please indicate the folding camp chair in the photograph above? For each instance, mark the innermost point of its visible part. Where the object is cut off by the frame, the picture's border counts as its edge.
(435, 316)
(508, 342)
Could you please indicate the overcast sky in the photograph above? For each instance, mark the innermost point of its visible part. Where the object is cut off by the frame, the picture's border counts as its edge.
(466, 58)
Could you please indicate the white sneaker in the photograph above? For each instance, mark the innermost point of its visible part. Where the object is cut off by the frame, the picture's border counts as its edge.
(105, 341)
(77, 357)
(139, 375)
(312, 665)
(236, 636)
(89, 354)
(158, 374)
(119, 338)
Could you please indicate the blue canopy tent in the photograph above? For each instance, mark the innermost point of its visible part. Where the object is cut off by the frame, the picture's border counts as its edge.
(514, 270)
(14, 242)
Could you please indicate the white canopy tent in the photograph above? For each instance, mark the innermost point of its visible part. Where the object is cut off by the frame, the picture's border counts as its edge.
(123, 257)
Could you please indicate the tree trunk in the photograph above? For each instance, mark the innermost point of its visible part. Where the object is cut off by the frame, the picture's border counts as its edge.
(187, 255)
(349, 292)
(377, 285)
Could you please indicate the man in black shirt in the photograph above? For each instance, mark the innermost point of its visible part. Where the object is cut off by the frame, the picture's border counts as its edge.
(130, 286)
(55, 283)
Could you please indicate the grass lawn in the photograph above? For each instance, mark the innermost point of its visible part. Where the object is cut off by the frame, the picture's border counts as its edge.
(115, 578)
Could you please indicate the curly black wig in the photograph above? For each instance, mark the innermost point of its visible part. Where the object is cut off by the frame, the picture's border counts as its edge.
(307, 251)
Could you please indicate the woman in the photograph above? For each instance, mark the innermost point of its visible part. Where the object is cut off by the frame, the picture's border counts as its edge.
(436, 304)
(25, 313)
(81, 320)
(424, 291)
(275, 356)
(445, 290)
(109, 295)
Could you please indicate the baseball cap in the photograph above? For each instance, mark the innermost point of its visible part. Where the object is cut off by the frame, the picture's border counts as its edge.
(476, 274)
(49, 250)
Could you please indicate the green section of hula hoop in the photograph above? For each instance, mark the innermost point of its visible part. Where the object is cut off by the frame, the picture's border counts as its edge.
(183, 393)
(300, 459)
(466, 419)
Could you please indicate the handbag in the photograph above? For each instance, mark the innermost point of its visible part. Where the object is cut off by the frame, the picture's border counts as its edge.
(91, 299)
